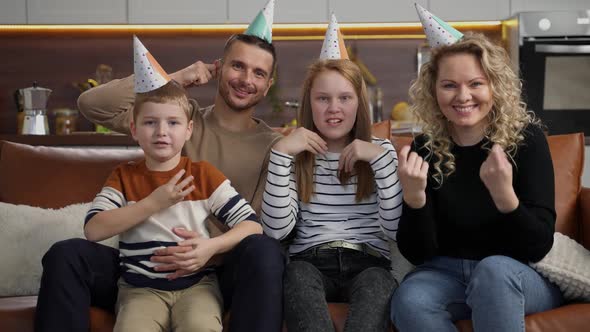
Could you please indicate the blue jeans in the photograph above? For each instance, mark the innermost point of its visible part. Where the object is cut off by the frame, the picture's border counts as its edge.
(495, 293)
(318, 276)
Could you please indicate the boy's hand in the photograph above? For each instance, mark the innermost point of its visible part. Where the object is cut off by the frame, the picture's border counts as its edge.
(188, 262)
(171, 262)
(172, 192)
(300, 140)
(355, 151)
(197, 74)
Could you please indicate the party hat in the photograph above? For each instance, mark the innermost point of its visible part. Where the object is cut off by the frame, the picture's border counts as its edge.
(333, 47)
(437, 31)
(261, 27)
(149, 75)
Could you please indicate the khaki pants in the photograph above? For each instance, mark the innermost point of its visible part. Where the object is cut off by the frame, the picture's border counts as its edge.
(198, 308)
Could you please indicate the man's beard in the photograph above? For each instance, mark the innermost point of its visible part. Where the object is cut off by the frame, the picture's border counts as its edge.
(224, 92)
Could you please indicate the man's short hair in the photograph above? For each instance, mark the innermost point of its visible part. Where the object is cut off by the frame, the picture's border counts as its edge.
(252, 40)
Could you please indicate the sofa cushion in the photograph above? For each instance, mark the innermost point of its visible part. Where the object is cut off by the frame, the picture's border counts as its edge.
(26, 233)
(568, 266)
(53, 177)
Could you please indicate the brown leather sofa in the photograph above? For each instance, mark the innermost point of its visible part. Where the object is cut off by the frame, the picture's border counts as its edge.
(50, 178)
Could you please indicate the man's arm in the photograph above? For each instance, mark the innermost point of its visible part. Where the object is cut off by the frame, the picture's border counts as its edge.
(111, 104)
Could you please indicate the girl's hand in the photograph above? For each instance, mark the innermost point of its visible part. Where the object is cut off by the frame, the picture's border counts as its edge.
(171, 192)
(413, 172)
(300, 140)
(496, 174)
(355, 151)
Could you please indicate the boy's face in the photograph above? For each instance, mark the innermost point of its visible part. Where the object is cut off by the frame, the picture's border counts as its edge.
(245, 76)
(161, 130)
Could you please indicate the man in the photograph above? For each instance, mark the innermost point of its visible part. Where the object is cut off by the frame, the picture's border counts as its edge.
(78, 273)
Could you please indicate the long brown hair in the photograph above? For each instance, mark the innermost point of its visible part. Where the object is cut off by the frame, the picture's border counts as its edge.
(305, 161)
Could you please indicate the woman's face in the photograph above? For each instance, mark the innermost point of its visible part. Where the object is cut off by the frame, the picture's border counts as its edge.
(334, 104)
(464, 94)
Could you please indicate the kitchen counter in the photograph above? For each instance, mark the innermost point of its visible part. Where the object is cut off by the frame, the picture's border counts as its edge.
(91, 139)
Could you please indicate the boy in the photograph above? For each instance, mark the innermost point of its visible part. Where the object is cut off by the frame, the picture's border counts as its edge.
(148, 202)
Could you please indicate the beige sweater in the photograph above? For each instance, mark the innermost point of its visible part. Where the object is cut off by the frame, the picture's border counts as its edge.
(241, 156)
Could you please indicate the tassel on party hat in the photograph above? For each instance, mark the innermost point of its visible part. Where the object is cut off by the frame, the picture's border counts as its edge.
(149, 75)
(333, 47)
(261, 27)
(437, 31)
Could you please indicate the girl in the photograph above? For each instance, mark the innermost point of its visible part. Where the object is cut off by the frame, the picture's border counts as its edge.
(337, 189)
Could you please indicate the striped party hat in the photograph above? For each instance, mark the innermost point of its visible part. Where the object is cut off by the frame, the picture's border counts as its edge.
(437, 31)
(149, 75)
(333, 47)
(261, 27)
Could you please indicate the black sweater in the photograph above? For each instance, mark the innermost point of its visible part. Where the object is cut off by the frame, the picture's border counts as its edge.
(461, 220)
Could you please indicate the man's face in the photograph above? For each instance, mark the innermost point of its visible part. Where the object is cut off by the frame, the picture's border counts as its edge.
(245, 76)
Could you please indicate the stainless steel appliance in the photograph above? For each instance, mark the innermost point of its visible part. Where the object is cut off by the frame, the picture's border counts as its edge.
(552, 52)
(34, 104)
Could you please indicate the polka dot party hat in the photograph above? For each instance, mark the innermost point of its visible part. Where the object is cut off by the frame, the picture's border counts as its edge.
(149, 75)
(437, 31)
(261, 27)
(333, 47)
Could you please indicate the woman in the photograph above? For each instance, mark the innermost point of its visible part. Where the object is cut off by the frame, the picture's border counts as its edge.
(478, 197)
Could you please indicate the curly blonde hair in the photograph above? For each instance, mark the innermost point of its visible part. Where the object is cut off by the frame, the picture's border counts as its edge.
(506, 120)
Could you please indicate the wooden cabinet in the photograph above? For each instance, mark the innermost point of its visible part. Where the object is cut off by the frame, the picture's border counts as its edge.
(13, 12)
(545, 5)
(243, 11)
(177, 12)
(377, 11)
(470, 10)
(300, 11)
(76, 12)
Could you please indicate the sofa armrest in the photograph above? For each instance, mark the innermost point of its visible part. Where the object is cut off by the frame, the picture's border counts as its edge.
(584, 224)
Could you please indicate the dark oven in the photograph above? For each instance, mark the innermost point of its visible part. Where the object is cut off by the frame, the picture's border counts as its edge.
(552, 52)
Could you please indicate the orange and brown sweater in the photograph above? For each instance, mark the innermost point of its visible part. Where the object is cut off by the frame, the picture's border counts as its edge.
(132, 182)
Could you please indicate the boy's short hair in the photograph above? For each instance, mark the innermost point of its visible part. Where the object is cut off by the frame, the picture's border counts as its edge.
(171, 92)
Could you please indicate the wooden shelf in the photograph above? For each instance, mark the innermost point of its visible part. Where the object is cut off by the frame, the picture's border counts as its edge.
(72, 140)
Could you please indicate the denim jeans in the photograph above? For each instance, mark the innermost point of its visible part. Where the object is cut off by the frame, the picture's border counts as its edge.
(318, 276)
(495, 293)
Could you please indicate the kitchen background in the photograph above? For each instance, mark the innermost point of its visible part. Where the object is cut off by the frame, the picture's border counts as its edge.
(64, 59)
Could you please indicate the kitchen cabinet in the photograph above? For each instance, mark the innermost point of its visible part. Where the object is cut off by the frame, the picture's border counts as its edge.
(177, 12)
(13, 12)
(76, 12)
(286, 11)
(377, 11)
(470, 10)
(547, 5)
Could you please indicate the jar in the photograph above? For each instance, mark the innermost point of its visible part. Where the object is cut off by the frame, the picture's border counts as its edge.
(65, 121)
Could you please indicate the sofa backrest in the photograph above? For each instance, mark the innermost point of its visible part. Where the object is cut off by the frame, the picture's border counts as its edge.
(54, 177)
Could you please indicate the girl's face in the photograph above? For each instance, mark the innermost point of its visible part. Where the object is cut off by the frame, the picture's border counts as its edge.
(334, 104)
(463, 94)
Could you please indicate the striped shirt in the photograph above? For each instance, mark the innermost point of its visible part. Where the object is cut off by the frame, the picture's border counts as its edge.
(132, 182)
(333, 213)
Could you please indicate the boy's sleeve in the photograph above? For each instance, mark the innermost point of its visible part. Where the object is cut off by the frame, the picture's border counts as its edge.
(110, 197)
(224, 202)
